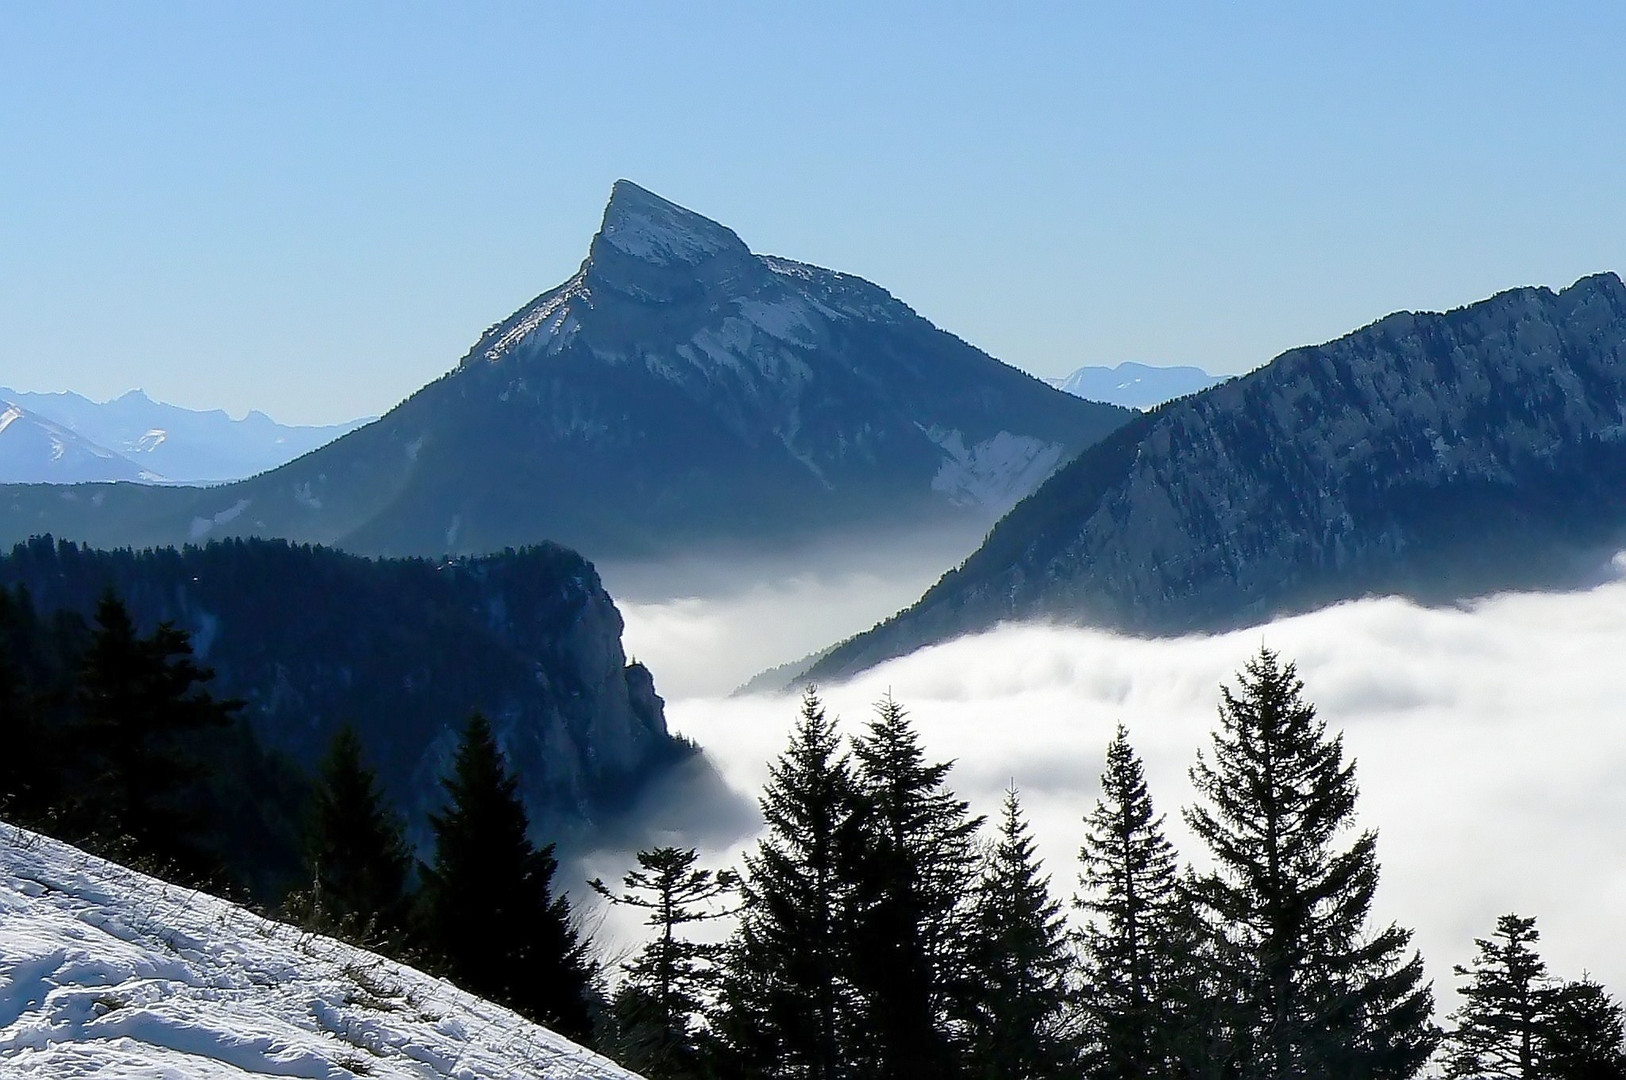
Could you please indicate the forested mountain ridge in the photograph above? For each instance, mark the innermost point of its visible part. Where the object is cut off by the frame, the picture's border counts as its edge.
(677, 392)
(1437, 456)
(403, 650)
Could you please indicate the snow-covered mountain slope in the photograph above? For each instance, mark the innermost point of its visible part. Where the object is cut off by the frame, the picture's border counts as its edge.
(678, 393)
(183, 446)
(1431, 455)
(1135, 386)
(35, 450)
(105, 972)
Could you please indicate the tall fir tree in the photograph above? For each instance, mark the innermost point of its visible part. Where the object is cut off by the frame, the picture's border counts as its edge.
(490, 912)
(356, 848)
(1500, 1024)
(1325, 994)
(659, 1010)
(26, 762)
(914, 871)
(139, 699)
(1019, 954)
(790, 1002)
(1129, 885)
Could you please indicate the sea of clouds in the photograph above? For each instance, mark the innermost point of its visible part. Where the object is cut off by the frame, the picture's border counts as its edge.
(1491, 738)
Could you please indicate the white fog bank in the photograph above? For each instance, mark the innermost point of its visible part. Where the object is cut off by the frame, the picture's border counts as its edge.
(706, 626)
(1491, 742)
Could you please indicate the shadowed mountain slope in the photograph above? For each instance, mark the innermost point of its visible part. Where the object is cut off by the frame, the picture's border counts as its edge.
(1437, 456)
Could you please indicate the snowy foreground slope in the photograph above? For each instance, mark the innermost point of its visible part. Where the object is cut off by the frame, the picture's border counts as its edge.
(105, 972)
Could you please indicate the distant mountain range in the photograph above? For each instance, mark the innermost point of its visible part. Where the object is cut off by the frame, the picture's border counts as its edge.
(677, 393)
(36, 449)
(1437, 456)
(67, 438)
(1135, 386)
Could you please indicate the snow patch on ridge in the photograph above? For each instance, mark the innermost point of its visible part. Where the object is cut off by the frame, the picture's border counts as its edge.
(201, 526)
(994, 474)
(548, 317)
(107, 972)
(837, 295)
(787, 319)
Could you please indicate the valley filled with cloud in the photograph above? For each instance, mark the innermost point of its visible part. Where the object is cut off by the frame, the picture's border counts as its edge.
(1490, 737)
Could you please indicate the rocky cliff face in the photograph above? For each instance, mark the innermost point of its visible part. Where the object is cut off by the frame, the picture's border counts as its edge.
(677, 392)
(404, 650)
(1433, 455)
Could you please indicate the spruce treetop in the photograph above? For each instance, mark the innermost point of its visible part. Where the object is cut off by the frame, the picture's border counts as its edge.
(1325, 991)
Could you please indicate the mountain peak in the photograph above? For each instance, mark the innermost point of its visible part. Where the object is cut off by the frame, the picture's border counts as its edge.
(640, 224)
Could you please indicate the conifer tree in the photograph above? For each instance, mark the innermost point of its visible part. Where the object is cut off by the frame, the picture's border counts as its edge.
(1325, 994)
(1020, 957)
(357, 851)
(1504, 1012)
(491, 915)
(913, 874)
(1585, 1037)
(23, 736)
(1130, 889)
(138, 698)
(1206, 1013)
(659, 1009)
(790, 996)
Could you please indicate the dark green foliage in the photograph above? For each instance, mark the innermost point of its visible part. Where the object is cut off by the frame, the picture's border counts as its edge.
(913, 875)
(1322, 992)
(116, 743)
(27, 758)
(1020, 961)
(1499, 1026)
(356, 849)
(658, 1010)
(1209, 1016)
(139, 699)
(490, 914)
(311, 639)
(791, 1002)
(1130, 892)
(45, 765)
(1586, 1034)
(1516, 1022)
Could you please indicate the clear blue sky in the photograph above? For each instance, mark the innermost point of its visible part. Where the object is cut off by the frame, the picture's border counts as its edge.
(314, 208)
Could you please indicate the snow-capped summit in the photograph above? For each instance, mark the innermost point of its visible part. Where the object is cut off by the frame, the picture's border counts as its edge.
(677, 392)
(646, 227)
